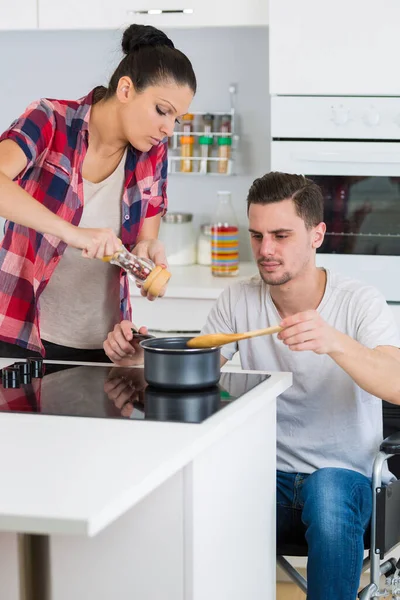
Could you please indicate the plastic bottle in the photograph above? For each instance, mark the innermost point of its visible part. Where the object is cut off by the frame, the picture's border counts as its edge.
(224, 238)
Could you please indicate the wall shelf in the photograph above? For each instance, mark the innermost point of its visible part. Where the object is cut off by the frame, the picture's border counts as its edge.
(206, 159)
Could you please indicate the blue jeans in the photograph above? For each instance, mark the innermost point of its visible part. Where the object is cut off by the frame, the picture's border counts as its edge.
(331, 509)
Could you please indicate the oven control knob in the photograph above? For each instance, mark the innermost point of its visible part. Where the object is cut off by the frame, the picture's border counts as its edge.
(11, 377)
(340, 115)
(372, 117)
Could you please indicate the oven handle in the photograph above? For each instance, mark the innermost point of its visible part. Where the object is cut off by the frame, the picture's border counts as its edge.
(347, 157)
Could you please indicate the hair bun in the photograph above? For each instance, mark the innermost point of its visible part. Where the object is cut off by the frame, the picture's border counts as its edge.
(139, 36)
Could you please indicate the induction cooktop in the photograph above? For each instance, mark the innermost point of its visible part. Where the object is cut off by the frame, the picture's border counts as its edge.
(115, 392)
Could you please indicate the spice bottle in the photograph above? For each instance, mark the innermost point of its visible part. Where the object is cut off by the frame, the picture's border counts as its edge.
(224, 144)
(141, 271)
(205, 142)
(224, 239)
(224, 154)
(187, 143)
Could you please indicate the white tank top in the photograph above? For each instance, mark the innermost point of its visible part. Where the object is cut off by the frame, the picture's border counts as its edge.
(81, 302)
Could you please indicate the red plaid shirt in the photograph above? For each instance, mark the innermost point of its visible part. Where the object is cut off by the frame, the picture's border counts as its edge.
(53, 134)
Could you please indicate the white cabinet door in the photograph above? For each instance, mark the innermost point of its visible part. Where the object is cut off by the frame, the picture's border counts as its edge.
(111, 14)
(18, 14)
(202, 13)
(334, 48)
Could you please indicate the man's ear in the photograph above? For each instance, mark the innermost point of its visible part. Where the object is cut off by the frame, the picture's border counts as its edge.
(318, 235)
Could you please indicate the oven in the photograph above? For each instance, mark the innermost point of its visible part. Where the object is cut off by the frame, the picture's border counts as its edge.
(351, 148)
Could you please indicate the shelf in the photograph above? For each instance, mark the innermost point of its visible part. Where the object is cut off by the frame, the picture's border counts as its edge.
(205, 165)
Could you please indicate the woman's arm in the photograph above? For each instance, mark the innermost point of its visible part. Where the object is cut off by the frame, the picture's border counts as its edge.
(18, 206)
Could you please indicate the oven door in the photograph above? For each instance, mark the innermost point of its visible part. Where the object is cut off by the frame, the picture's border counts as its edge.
(361, 186)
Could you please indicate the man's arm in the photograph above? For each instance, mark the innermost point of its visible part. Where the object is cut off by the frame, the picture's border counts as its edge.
(375, 370)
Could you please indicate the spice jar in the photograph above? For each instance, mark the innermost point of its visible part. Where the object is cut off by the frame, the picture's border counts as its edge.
(187, 143)
(140, 270)
(224, 154)
(204, 245)
(224, 144)
(205, 143)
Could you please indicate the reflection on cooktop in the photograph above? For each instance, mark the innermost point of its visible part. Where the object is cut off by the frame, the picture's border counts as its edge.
(116, 392)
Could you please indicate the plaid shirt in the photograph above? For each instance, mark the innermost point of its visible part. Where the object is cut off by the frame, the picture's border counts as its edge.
(53, 135)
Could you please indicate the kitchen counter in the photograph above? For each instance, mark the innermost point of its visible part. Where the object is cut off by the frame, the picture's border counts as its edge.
(196, 281)
(190, 295)
(144, 509)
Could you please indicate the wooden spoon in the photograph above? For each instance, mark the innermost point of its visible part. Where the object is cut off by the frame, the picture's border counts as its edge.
(219, 339)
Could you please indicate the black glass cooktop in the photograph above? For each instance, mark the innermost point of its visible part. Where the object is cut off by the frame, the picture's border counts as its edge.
(116, 392)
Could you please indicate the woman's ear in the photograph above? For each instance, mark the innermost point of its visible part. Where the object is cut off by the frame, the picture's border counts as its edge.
(125, 89)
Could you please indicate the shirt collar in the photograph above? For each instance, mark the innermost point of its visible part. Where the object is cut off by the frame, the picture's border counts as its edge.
(82, 113)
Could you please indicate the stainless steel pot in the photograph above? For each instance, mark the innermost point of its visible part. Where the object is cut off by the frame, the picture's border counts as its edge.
(170, 364)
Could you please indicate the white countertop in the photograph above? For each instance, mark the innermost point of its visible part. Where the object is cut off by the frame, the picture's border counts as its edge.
(72, 475)
(196, 281)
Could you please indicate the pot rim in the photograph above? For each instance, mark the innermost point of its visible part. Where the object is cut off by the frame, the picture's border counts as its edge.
(148, 345)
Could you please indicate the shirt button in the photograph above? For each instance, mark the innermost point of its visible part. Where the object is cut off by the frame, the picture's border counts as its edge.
(126, 217)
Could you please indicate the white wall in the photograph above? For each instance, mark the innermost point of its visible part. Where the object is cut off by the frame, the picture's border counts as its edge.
(68, 64)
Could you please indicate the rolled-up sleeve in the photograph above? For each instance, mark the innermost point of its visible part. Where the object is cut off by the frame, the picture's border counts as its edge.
(32, 131)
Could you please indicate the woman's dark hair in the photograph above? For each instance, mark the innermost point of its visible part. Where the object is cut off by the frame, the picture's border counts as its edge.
(151, 58)
(275, 187)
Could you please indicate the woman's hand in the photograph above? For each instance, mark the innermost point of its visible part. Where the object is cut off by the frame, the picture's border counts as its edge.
(121, 347)
(155, 251)
(94, 243)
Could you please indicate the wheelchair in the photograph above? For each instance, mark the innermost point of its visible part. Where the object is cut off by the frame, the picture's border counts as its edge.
(385, 521)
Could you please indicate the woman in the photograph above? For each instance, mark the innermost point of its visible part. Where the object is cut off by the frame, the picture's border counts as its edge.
(76, 178)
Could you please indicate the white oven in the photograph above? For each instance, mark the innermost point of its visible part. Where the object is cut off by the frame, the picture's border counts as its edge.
(351, 148)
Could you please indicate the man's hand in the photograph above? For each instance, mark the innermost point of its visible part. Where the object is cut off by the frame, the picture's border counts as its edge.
(125, 387)
(308, 331)
(121, 347)
(155, 251)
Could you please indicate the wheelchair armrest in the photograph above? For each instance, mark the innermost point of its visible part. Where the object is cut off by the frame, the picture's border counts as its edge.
(391, 445)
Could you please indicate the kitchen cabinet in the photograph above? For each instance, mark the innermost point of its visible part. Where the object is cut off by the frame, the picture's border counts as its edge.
(107, 14)
(334, 48)
(19, 14)
(146, 514)
(9, 565)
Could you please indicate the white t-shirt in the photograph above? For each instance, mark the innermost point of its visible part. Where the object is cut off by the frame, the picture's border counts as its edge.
(325, 419)
(81, 302)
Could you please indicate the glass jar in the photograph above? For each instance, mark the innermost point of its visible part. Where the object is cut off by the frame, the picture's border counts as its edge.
(224, 144)
(224, 238)
(138, 269)
(179, 238)
(224, 154)
(204, 245)
(187, 144)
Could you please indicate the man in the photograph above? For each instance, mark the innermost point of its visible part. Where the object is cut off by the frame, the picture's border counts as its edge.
(340, 341)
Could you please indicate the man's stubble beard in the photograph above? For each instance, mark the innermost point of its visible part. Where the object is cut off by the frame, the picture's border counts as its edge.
(270, 280)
